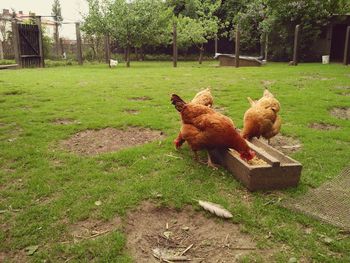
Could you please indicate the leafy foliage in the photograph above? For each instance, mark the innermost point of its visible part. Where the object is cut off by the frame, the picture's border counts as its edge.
(56, 11)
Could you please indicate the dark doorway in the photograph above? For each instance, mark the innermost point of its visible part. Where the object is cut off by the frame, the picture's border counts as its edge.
(338, 41)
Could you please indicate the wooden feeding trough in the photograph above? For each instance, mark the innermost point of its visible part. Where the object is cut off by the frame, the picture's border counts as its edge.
(278, 171)
(244, 61)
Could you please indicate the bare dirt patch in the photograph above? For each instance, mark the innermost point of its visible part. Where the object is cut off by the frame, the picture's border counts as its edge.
(323, 126)
(285, 144)
(341, 113)
(131, 111)
(150, 229)
(143, 98)
(64, 121)
(92, 142)
(93, 228)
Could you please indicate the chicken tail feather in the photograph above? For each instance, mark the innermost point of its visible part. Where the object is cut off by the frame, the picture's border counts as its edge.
(178, 102)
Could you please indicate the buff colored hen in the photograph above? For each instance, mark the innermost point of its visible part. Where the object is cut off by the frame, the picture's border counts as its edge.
(262, 118)
(203, 97)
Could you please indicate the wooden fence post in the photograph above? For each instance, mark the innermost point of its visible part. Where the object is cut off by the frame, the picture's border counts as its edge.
(296, 45)
(79, 50)
(266, 45)
(346, 47)
(16, 46)
(107, 49)
(41, 44)
(174, 46)
(237, 47)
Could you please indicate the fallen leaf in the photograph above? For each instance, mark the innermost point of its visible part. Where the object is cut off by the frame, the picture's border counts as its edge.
(328, 240)
(167, 234)
(31, 250)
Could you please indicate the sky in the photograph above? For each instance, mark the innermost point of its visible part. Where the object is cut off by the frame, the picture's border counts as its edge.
(71, 11)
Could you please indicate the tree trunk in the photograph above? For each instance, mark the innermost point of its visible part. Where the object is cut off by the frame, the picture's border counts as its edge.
(136, 54)
(142, 55)
(201, 50)
(128, 55)
(1, 50)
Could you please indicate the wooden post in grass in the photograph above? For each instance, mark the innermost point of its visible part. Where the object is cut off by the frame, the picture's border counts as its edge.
(16, 46)
(41, 44)
(79, 49)
(346, 47)
(266, 45)
(296, 45)
(107, 48)
(174, 46)
(237, 47)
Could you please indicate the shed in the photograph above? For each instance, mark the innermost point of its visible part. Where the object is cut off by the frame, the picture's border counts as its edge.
(332, 38)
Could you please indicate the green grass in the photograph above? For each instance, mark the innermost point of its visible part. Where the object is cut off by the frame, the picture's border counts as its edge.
(39, 197)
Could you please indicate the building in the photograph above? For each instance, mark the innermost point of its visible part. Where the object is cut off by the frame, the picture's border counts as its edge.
(332, 38)
(7, 15)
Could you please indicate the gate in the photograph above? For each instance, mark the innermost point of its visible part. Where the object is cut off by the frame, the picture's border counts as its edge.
(28, 44)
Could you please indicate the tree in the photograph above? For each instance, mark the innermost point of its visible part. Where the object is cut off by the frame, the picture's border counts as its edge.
(56, 11)
(57, 16)
(131, 24)
(197, 24)
(312, 15)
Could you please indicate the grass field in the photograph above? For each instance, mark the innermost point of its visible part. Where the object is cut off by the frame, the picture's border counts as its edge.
(44, 189)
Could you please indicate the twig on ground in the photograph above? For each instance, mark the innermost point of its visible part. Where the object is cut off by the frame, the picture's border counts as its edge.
(188, 248)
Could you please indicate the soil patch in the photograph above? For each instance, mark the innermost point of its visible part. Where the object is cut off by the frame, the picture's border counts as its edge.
(285, 144)
(323, 126)
(93, 228)
(63, 121)
(341, 113)
(158, 229)
(132, 112)
(143, 98)
(92, 142)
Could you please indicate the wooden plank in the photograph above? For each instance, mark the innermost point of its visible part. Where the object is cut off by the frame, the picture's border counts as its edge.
(346, 47)
(30, 56)
(16, 44)
(79, 50)
(237, 47)
(284, 159)
(262, 154)
(41, 44)
(174, 46)
(10, 66)
(255, 178)
(296, 45)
